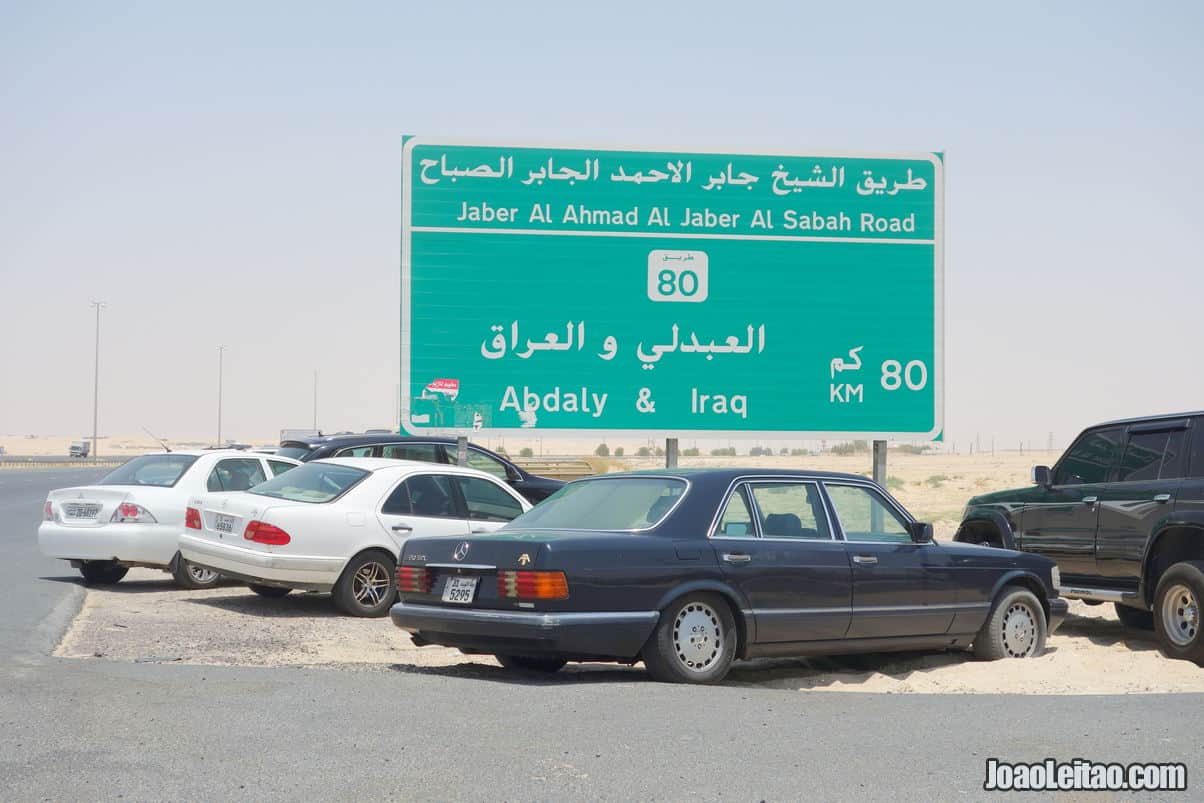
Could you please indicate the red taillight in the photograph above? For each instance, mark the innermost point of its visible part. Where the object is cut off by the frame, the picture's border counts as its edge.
(414, 579)
(129, 512)
(532, 585)
(192, 518)
(263, 533)
(48, 511)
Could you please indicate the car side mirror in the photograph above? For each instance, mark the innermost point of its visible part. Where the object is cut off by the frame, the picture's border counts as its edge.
(920, 531)
(1042, 476)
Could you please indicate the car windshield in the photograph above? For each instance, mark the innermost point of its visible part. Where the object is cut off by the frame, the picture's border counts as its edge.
(295, 451)
(159, 470)
(312, 482)
(621, 503)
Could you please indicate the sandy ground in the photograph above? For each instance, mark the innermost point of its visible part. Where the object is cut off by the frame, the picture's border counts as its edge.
(146, 619)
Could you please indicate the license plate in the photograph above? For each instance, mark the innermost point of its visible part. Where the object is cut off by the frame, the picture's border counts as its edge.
(223, 524)
(80, 510)
(460, 589)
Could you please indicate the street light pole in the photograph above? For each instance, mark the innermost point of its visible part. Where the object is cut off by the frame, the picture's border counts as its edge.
(220, 350)
(99, 305)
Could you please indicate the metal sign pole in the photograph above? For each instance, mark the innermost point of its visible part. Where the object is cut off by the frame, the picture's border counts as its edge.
(461, 450)
(670, 452)
(880, 463)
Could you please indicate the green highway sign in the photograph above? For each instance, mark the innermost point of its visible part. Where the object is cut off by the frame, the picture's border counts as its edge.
(664, 293)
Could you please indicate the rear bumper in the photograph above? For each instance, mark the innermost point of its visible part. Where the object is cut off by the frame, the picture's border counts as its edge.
(1058, 608)
(308, 572)
(620, 634)
(147, 544)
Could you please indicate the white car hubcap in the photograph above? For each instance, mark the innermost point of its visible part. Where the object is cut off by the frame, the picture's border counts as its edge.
(698, 637)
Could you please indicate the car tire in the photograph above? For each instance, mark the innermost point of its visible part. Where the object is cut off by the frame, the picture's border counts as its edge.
(189, 575)
(368, 585)
(1015, 628)
(694, 641)
(544, 665)
(101, 572)
(1177, 603)
(271, 592)
(1134, 617)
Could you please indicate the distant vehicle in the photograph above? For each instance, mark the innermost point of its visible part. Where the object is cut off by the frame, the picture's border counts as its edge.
(425, 449)
(690, 570)
(337, 525)
(135, 514)
(1122, 513)
(79, 449)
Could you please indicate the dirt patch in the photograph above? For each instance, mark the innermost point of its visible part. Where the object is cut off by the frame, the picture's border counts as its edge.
(146, 619)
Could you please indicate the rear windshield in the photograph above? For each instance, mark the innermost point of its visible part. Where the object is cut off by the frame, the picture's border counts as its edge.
(626, 503)
(294, 451)
(159, 470)
(312, 482)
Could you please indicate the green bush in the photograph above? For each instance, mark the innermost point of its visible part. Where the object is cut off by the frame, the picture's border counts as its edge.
(690, 452)
(526, 452)
(618, 451)
(603, 450)
(643, 451)
(894, 483)
(799, 453)
(937, 480)
(850, 447)
(728, 451)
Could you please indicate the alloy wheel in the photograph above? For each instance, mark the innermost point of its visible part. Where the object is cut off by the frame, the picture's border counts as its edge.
(370, 584)
(1019, 631)
(698, 637)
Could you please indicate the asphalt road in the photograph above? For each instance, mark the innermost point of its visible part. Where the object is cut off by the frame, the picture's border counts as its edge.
(99, 730)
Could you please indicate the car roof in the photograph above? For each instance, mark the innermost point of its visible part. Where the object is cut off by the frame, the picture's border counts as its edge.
(1144, 418)
(385, 463)
(363, 439)
(732, 473)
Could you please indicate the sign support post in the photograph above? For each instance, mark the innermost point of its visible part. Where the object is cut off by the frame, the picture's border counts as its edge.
(880, 463)
(670, 452)
(461, 450)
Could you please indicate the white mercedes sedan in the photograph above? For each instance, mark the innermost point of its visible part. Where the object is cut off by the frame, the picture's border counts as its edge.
(338, 525)
(134, 515)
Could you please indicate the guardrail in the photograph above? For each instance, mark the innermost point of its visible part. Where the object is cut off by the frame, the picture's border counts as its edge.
(27, 462)
(558, 468)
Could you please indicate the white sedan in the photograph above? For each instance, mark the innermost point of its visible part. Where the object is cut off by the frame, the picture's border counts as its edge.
(338, 525)
(133, 517)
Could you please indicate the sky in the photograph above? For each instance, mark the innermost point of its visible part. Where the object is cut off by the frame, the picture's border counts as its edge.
(228, 174)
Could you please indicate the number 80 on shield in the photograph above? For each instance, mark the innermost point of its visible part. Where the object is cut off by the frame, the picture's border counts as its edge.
(677, 275)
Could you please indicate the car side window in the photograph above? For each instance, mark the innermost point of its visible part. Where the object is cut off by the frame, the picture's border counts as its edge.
(737, 518)
(279, 467)
(1091, 458)
(865, 516)
(355, 451)
(235, 474)
(486, 501)
(422, 452)
(790, 510)
(483, 462)
(398, 503)
(432, 495)
(1152, 456)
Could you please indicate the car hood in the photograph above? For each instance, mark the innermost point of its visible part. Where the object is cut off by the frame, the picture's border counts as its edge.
(975, 556)
(1009, 496)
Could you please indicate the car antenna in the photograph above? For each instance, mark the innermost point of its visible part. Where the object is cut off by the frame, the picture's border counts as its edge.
(166, 448)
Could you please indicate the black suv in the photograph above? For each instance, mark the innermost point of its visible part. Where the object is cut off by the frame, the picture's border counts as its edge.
(426, 450)
(1122, 513)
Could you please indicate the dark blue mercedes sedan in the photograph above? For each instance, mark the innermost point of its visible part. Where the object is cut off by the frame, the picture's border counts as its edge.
(688, 570)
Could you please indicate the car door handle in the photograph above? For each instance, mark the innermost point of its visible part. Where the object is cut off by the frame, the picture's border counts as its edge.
(478, 532)
(737, 557)
(402, 528)
(865, 560)
(1090, 500)
(1161, 498)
